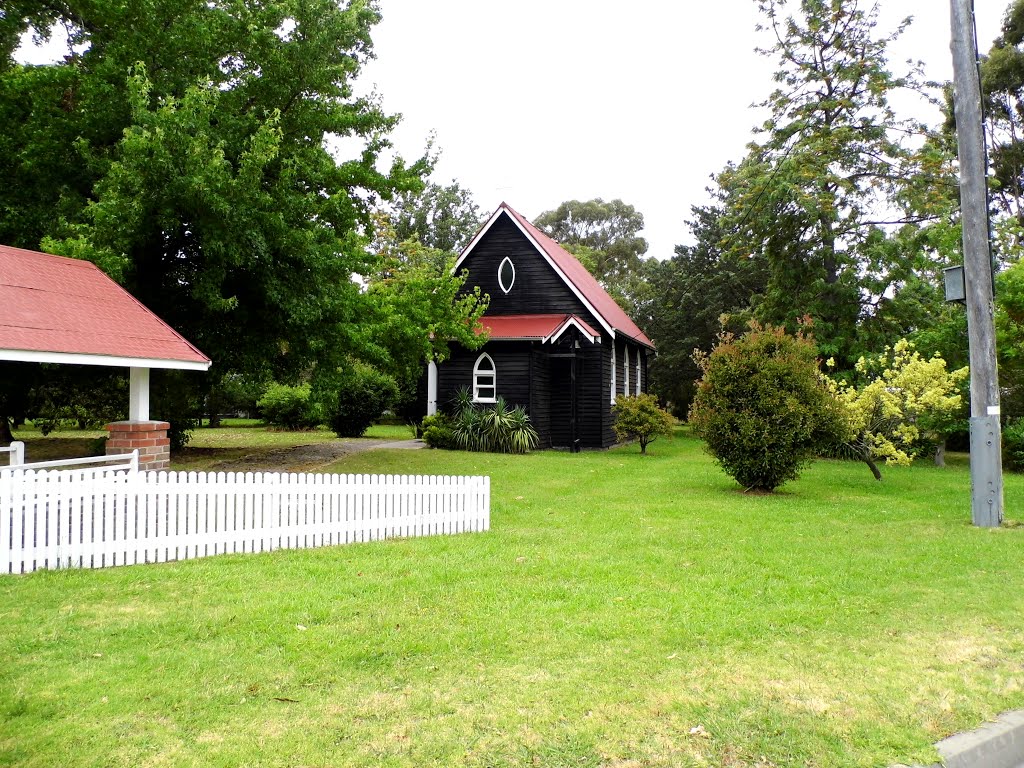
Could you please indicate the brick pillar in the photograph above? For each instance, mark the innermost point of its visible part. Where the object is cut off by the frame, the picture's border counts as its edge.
(150, 437)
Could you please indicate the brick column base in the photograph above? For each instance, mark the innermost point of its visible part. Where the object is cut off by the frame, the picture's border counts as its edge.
(150, 437)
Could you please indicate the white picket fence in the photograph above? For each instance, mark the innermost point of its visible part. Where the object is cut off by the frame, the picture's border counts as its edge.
(96, 517)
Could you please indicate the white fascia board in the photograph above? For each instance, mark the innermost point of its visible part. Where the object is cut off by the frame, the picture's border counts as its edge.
(76, 358)
(565, 279)
(479, 235)
(557, 333)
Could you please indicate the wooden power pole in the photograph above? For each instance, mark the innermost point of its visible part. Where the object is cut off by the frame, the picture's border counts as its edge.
(986, 458)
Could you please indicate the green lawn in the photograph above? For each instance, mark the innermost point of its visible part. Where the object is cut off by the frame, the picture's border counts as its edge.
(623, 611)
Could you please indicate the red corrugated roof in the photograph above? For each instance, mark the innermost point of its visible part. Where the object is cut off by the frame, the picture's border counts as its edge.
(539, 327)
(68, 306)
(585, 283)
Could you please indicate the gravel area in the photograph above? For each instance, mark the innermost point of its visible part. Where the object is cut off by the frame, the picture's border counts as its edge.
(309, 458)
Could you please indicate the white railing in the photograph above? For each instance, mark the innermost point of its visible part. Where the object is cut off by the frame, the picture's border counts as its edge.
(16, 451)
(115, 462)
(91, 518)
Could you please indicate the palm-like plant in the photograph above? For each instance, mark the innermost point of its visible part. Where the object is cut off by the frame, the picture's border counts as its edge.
(499, 428)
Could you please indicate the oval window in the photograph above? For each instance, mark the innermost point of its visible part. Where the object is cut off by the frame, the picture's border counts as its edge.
(506, 274)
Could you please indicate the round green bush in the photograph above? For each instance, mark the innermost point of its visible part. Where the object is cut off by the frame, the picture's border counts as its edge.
(363, 394)
(762, 407)
(289, 407)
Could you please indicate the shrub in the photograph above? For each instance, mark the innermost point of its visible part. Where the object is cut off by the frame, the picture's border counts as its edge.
(363, 394)
(437, 432)
(900, 404)
(498, 429)
(1013, 445)
(638, 417)
(289, 407)
(763, 408)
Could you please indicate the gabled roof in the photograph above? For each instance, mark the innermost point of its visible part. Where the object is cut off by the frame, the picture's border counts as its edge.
(607, 311)
(59, 310)
(542, 328)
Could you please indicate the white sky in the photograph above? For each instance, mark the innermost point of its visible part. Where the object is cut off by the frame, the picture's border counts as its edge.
(540, 101)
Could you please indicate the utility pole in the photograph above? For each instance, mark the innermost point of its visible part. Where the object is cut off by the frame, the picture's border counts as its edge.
(986, 458)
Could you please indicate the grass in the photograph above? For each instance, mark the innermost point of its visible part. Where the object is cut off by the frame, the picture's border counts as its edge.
(623, 611)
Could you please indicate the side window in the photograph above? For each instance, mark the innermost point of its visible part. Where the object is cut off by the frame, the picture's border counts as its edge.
(614, 372)
(638, 372)
(625, 371)
(485, 380)
(506, 274)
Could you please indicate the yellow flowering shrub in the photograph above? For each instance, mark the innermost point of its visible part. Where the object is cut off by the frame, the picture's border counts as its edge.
(903, 399)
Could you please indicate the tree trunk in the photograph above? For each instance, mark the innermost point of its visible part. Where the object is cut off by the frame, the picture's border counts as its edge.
(940, 454)
(6, 438)
(866, 457)
(213, 406)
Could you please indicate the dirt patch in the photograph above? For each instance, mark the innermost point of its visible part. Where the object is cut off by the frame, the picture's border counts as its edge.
(308, 458)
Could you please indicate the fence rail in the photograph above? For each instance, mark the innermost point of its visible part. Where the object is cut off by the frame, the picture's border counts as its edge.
(16, 453)
(94, 517)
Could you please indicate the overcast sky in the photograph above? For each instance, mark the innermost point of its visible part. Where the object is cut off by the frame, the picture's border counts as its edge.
(541, 101)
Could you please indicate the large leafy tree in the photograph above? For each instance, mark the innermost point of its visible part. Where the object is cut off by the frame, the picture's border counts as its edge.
(698, 292)
(605, 237)
(417, 308)
(442, 217)
(211, 155)
(1002, 80)
(834, 175)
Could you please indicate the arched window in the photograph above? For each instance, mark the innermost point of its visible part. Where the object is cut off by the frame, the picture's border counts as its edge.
(506, 274)
(614, 372)
(638, 372)
(625, 371)
(485, 380)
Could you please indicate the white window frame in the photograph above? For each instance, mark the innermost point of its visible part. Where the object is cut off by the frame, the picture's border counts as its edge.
(501, 267)
(478, 374)
(614, 371)
(638, 371)
(625, 371)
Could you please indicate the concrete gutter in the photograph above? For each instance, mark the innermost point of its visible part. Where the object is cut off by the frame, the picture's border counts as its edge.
(999, 744)
(993, 745)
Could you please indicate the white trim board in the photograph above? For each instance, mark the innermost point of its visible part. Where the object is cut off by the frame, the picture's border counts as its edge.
(77, 358)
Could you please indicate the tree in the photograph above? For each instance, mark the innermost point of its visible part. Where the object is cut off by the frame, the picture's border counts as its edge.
(693, 292)
(638, 417)
(901, 402)
(834, 173)
(762, 407)
(605, 237)
(190, 149)
(1002, 82)
(445, 218)
(417, 308)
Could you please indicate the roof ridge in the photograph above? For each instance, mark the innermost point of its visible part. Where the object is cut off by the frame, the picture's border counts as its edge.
(609, 310)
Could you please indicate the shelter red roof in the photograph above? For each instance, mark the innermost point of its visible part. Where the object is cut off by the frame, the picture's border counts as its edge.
(55, 309)
(584, 282)
(539, 327)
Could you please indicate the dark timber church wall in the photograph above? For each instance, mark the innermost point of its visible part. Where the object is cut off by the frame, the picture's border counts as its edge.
(537, 288)
(517, 363)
